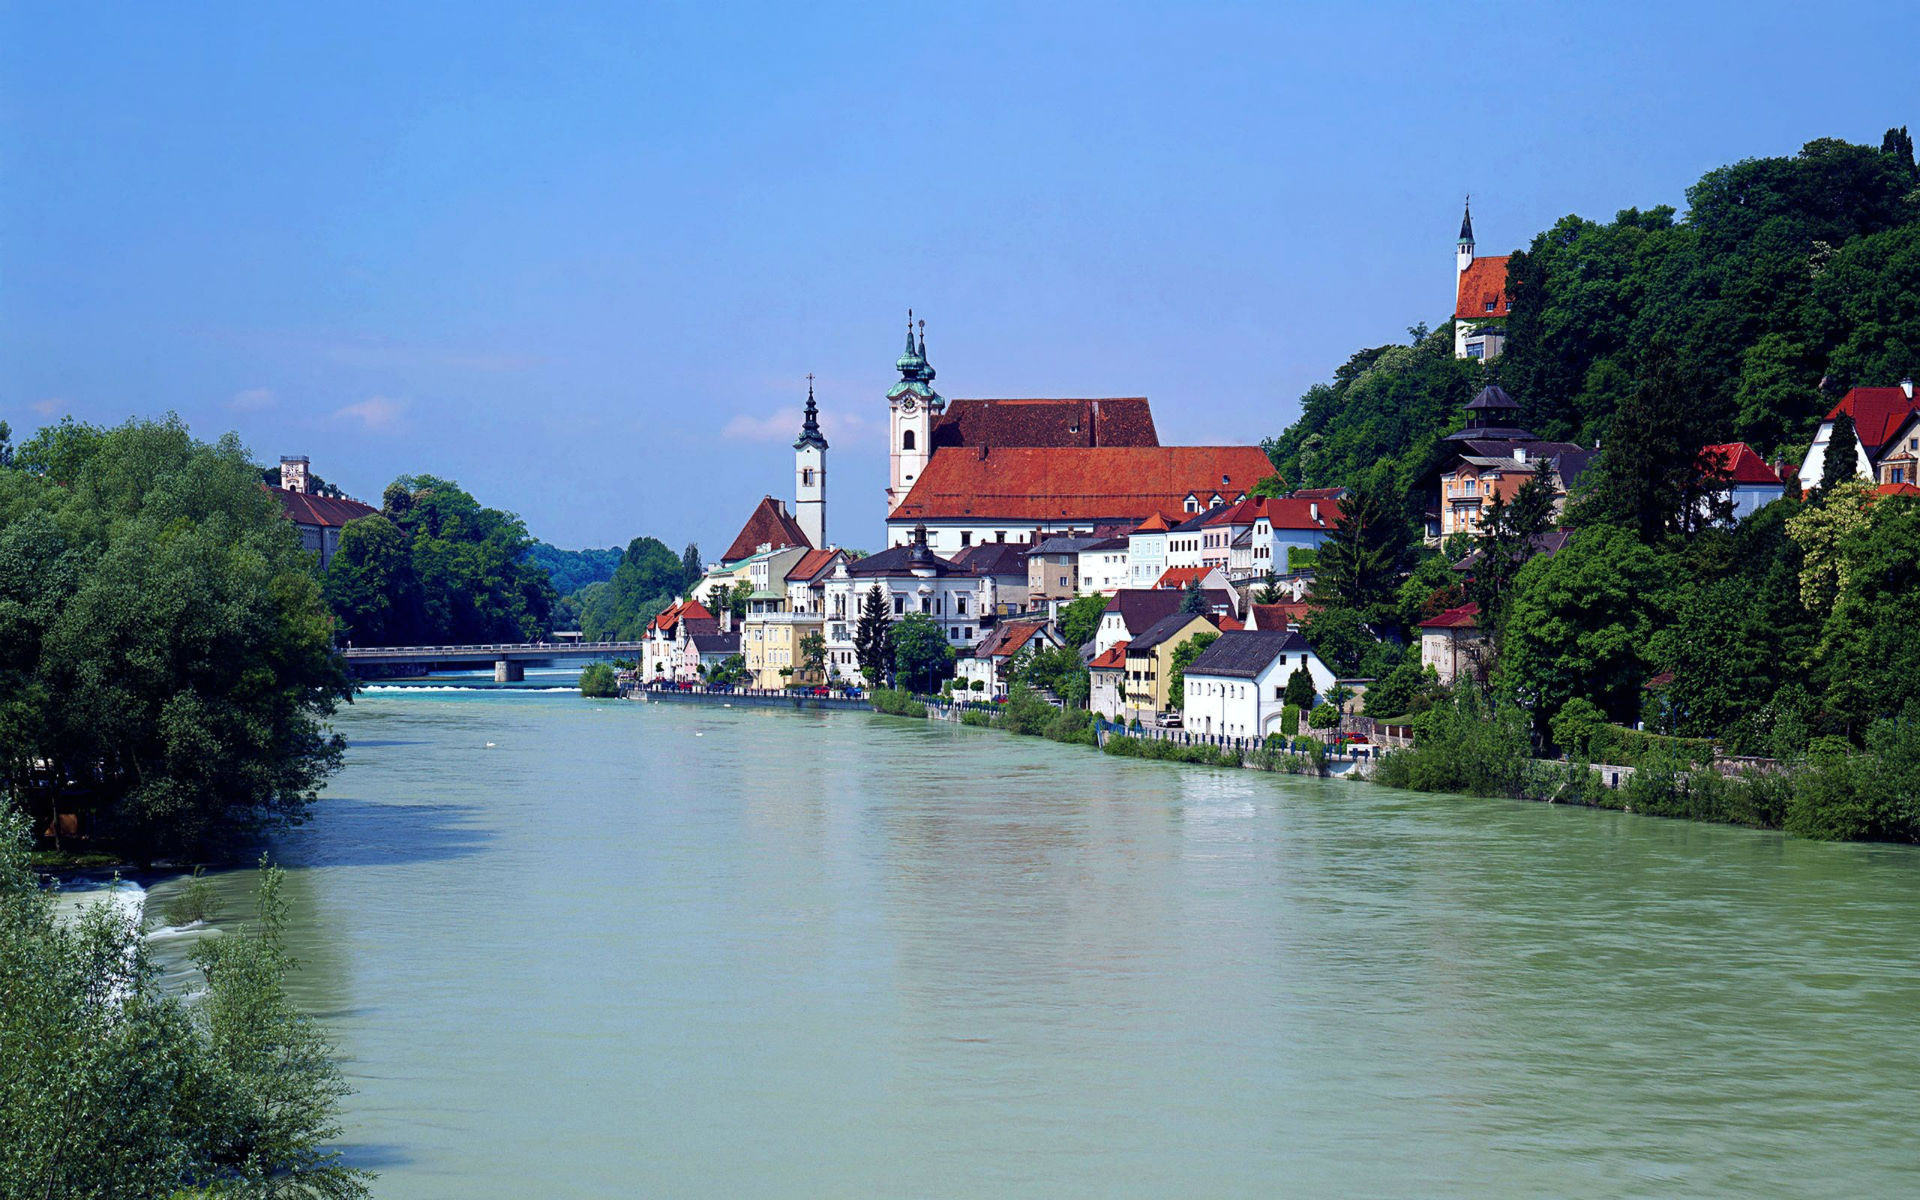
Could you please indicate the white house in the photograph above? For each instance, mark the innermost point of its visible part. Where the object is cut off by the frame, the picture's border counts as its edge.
(991, 661)
(1736, 471)
(1878, 414)
(1107, 676)
(1237, 686)
(911, 579)
(1104, 566)
(1147, 551)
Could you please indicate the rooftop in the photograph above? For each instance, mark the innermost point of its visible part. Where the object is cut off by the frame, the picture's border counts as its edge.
(1245, 653)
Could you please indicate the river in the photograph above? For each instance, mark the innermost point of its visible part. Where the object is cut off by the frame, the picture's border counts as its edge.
(598, 949)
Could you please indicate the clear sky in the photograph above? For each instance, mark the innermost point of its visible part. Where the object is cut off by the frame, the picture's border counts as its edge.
(581, 258)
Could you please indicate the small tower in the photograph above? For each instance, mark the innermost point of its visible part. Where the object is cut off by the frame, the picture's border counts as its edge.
(810, 475)
(913, 407)
(1463, 250)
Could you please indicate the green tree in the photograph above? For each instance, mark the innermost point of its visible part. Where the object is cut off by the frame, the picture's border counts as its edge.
(1192, 600)
(921, 656)
(1268, 487)
(873, 635)
(1056, 669)
(1648, 472)
(164, 640)
(1182, 658)
(1324, 716)
(597, 681)
(1080, 619)
(813, 653)
(1506, 541)
(1299, 691)
(1359, 565)
(1839, 465)
(691, 568)
(1579, 623)
(643, 585)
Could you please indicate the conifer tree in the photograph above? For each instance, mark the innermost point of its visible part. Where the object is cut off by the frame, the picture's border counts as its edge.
(1840, 463)
(873, 636)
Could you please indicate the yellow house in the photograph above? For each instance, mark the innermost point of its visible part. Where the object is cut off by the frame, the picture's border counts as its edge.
(770, 641)
(1144, 686)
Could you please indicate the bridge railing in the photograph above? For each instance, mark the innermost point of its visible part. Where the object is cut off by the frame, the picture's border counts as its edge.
(490, 648)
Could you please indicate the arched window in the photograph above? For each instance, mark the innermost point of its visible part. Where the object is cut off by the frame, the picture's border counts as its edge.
(806, 476)
(906, 440)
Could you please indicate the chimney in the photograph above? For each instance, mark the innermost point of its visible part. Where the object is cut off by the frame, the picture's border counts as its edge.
(1906, 385)
(293, 474)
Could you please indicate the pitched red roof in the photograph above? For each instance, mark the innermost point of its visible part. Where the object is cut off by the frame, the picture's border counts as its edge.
(811, 563)
(1332, 493)
(1455, 618)
(1180, 577)
(1735, 462)
(672, 615)
(1229, 624)
(1280, 616)
(1119, 421)
(1877, 412)
(1153, 524)
(768, 526)
(1008, 638)
(1300, 512)
(1484, 280)
(1897, 489)
(306, 508)
(1105, 482)
(1113, 658)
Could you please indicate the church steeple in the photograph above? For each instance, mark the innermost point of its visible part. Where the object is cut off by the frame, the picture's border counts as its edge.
(810, 434)
(810, 475)
(912, 408)
(1463, 249)
(1466, 224)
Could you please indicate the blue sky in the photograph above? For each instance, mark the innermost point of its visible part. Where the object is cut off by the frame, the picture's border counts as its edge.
(582, 257)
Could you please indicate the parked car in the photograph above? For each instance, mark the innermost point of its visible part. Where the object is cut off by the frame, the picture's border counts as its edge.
(1168, 720)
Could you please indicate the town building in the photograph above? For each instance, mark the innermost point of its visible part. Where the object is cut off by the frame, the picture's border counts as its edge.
(780, 618)
(1103, 566)
(1740, 479)
(1883, 428)
(1479, 298)
(976, 471)
(810, 475)
(665, 638)
(911, 579)
(1237, 686)
(1131, 611)
(1106, 678)
(1453, 644)
(319, 514)
(1005, 563)
(1490, 458)
(1147, 550)
(991, 662)
(1149, 672)
(1053, 570)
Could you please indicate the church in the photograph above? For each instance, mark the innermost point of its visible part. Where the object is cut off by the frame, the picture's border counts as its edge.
(974, 472)
(1479, 298)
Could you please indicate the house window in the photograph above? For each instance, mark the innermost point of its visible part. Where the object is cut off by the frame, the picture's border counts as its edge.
(926, 605)
(899, 605)
(906, 440)
(1489, 306)
(968, 634)
(960, 605)
(966, 537)
(1476, 350)
(1279, 691)
(999, 535)
(1063, 581)
(806, 476)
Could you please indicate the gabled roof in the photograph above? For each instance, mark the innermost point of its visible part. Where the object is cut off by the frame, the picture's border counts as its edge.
(1244, 654)
(1332, 493)
(1113, 658)
(1549, 543)
(308, 508)
(1300, 512)
(1008, 638)
(1485, 279)
(1104, 544)
(1896, 489)
(1065, 545)
(994, 558)
(1877, 412)
(1279, 616)
(1736, 462)
(1102, 483)
(768, 526)
(1155, 523)
(716, 643)
(1166, 629)
(699, 626)
(1115, 421)
(812, 565)
(678, 611)
(1464, 617)
(1140, 607)
(1180, 577)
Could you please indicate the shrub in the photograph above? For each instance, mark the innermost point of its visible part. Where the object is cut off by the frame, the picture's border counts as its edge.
(1073, 726)
(1324, 716)
(196, 902)
(1290, 719)
(896, 702)
(1025, 712)
(978, 685)
(979, 718)
(1461, 747)
(597, 682)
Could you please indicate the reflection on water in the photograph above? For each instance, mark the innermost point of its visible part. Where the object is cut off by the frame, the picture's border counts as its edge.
(577, 948)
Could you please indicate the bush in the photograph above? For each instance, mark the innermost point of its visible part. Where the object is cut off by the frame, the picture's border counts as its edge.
(597, 682)
(896, 702)
(1290, 719)
(1164, 751)
(979, 718)
(1025, 712)
(1073, 726)
(1324, 716)
(978, 685)
(1461, 747)
(196, 902)
(1631, 747)
(1870, 796)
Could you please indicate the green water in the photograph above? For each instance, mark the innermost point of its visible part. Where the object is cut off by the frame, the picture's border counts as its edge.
(657, 950)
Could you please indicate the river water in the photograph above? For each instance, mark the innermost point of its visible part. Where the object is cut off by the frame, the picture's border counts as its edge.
(599, 949)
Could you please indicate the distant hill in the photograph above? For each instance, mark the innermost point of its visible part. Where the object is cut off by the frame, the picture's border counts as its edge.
(572, 570)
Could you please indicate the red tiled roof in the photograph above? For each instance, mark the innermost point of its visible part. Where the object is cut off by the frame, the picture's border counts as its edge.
(768, 526)
(1008, 638)
(1897, 489)
(1119, 421)
(1877, 412)
(689, 609)
(1153, 524)
(1113, 658)
(305, 508)
(1229, 624)
(1279, 616)
(1332, 493)
(1180, 577)
(811, 563)
(1041, 484)
(1299, 512)
(1455, 618)
(1485, 279)
(1735, 462)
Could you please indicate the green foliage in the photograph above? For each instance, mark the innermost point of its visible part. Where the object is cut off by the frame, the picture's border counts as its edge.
(1869, 641)
(1505, 542)
(111, 1087)
(1576, 725)
(895, 702)
(1410, 688)
(813, 653)
(1874, 795)
(1359, 566)
(1347, 644)
(1290, 719)
(1193, 601)
(1324, 716)
(1840, 462)
(1080, 619)
(1299, 692)
(873, 635)
(1460, 746)
(1054, 669)
(730, 671)
(1182, 658)
(979, 718)
(644, 583)
(921, 656)
(161, 637)
(1161, 750)
(1025, 712)
(1579, 624)
(597, 681)
(978, 685)
(435, 567)
(571, 570)
(1268, 486)
(197, 901)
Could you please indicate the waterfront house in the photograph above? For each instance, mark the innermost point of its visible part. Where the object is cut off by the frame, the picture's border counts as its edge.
(1453, 643)
(1149, 665)
(1106, 677)
(665, 638)
(911, 579)
(706, 650)
(991, 662)
(1237, 686)
(1130, 611)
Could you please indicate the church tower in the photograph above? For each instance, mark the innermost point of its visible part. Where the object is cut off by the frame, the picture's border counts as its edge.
(913, 407)
(810, 476)
(1463, 251)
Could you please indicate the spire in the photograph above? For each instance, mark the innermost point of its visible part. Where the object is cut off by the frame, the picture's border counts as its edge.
(910, 333)
(913, 366)
(923, 338)
(1466, 224)
(810, 434)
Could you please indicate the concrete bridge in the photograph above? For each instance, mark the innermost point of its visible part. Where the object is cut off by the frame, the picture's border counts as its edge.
(509, 659)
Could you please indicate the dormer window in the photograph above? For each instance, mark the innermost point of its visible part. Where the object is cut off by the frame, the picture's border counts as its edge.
(1193, 503)
(1489, 306)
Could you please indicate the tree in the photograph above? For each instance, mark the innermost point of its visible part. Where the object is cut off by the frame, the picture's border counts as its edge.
(1324, 716)
(1080, 619)
(921, 655)
(162, 640)
(1840, 463)
(1192, 600)
(1182, 658)
(1407, 689)
(873, 636)
(1268, 487)
(1506, 541)
(691, 568)
(642, 586)
(597, 681)
(1579, 623)
(1648, 470)
(1056, 669)
(1299, 691)
(1359, 565)
(813, 653)
(571, 570)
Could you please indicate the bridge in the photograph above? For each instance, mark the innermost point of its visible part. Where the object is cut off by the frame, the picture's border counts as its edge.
(509, 659)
